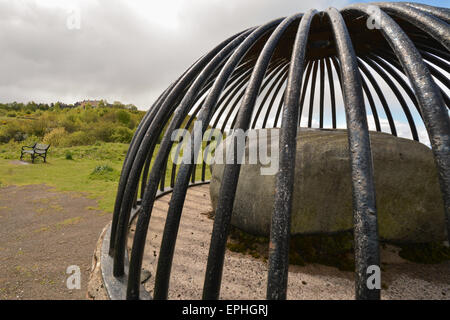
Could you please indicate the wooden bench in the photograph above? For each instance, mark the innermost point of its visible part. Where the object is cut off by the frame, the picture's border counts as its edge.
(35, 150)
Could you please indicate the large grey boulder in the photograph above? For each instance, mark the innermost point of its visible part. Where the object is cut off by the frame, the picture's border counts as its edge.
(409, 201)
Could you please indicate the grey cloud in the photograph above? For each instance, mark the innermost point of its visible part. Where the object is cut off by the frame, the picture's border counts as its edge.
(117, 54)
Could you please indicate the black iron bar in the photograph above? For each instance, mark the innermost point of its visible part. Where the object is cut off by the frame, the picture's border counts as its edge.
(284, 185)
(364, 203)
(214, 267)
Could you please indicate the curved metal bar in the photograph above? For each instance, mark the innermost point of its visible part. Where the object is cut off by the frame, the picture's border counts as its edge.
(435, 115)
(222, 105)
(156, 171)
(239, 76)
(308, 68)
(136, 151)
(225, 104)
(397, 93)
(437, 52)
(441, 13)
(129, 158)
(264, 85)
(387, 67)
(145, 150)
(269, 91)
(322, 92)
(311, 94)
(434, 72)
(332, 96)
(284, 185)
(364, 204)
(179, 193)
(130, 188)
(220, 109)
(233, 108)
(272, 101)
(227, 192)
(304, 88)
(371, 102)
(338, 70)
(271, 74)
(147, 164)
(426, 22)
(237, 72)
(436, 61)
(230, 92)
(280, 106)
(380, 94)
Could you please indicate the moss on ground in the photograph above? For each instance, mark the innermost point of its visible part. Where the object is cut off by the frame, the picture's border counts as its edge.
(333, 250)
(428, 253)
(336, 250)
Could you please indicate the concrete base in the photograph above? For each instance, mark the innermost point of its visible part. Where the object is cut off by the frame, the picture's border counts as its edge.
(96, 288)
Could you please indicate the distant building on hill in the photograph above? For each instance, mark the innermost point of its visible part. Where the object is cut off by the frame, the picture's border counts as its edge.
(91, 103)
(103, 103)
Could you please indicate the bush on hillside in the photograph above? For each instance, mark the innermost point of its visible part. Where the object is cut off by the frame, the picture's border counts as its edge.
(103, 131)
(69, 155)
(122, 134)
(12, 130)
(78, 138)
(55, 137)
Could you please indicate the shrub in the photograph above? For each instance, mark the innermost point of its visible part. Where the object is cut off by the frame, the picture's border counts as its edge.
(38, 127)
(123, 117)
(88, 116)
(104, 172)
(102, 169)
(78, 138)
(55, 137)
(103, 131)
(11, 114)
(11, 130)
(122, 134)
(70, 123)
(69, 155)
(132, 124)
(20, 136)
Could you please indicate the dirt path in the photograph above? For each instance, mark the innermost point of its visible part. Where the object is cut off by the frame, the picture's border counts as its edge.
(42, 232)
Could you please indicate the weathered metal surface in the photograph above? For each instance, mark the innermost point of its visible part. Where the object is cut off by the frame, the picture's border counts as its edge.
(364, 204)
(224, 208)
(281, 218)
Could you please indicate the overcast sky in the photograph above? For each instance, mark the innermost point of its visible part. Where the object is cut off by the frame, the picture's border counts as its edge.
(123, 50)
(119, 50)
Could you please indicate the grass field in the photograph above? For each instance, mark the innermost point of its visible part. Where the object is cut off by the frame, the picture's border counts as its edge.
(93, 170)
(69, 175)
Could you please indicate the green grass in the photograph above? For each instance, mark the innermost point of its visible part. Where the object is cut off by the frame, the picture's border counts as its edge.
(68, 175)
(92, 170)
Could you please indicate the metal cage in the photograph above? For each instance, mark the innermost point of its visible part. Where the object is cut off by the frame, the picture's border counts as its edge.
(258, 79)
